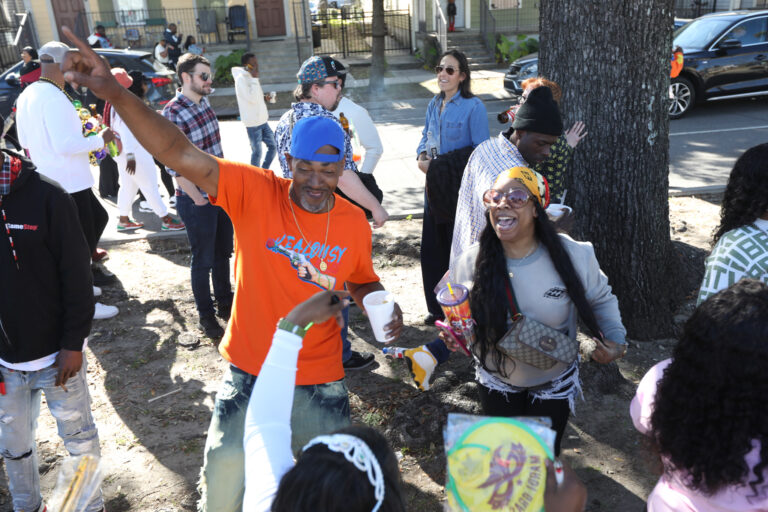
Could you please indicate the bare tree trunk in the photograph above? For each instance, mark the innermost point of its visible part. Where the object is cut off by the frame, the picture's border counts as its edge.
(612, 61)
(378, 62)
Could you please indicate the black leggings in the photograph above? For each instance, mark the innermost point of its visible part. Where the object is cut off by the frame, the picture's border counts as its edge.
(93, 216)
(495, 403)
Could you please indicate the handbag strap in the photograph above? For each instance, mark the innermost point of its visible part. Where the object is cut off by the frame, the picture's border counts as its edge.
(514, 309)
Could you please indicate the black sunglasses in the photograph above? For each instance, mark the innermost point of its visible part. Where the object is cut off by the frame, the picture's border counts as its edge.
(203, 76)
(448, 69)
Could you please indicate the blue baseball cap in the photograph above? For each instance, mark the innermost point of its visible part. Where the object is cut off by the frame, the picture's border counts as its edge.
(312, 133)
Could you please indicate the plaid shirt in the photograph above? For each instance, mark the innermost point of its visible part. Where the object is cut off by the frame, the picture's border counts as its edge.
(300, 110)
(199, 124)
(488, 160)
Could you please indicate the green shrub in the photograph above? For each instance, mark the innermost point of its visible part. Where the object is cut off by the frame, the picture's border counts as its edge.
(223, 67)
(508, 50)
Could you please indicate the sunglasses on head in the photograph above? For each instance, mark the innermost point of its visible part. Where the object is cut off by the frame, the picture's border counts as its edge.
(448, 69)
(516, 198)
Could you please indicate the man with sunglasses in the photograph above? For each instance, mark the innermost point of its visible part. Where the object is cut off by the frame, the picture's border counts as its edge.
(209, 229)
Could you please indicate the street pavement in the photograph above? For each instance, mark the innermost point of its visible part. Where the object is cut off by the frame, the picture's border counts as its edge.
(703, 146)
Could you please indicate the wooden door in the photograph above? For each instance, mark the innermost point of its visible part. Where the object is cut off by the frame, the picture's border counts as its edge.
(72, 14)
(270, 17)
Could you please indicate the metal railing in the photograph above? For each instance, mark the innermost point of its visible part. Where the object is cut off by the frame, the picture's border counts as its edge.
(441, 27)
(14, 36)
(516, 20)
(143, 28)
(348, 31)
(301, 29)
(488, 27)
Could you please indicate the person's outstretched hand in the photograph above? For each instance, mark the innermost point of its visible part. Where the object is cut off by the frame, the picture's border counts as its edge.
(86, 68)
(575, 133)
(319, 308)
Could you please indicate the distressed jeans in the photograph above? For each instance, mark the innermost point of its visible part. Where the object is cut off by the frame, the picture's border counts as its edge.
(19, 409)
(317, 409)
(257, 135)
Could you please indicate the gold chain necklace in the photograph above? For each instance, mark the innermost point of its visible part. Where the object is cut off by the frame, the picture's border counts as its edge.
(323, 265)
(59, 87)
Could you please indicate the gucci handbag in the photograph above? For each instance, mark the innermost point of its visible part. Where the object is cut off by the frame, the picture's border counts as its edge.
(534, 343)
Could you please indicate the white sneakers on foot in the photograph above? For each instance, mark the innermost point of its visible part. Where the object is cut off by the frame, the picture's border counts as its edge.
(96, 291)
(103, 311)
(144, 207)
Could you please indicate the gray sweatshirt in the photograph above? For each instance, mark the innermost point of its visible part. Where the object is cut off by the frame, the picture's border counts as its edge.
(542, 296)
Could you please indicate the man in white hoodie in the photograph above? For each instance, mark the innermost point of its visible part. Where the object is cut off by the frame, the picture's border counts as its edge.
(253, 110)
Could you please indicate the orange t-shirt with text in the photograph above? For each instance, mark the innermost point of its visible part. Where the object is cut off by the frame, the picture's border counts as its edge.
(276, 268)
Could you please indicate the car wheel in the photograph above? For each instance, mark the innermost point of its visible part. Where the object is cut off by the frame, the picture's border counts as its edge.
(682, 97)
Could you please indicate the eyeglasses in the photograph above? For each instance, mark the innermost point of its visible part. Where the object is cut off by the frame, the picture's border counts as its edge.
(448, 69)
(517, 197)
(204, 76)
(335, 84)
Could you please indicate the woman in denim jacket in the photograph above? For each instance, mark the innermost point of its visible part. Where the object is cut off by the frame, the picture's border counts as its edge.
(456, 118)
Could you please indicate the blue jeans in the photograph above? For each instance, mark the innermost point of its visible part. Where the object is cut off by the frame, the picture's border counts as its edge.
(257, 135)
(19, 410)
(317, 409)
(346, 345)
(211, 241)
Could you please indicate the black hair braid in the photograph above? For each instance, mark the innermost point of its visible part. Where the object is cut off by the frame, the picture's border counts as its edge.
(548, 236)
(711, 404)
(746, 195)
(488, 299)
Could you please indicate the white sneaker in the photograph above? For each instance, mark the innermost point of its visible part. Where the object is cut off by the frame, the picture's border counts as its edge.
(96, 291)
(103, 311)
(144, 207)
(172, 201)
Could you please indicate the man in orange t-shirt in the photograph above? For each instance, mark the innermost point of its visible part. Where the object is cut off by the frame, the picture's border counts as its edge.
(292, 239)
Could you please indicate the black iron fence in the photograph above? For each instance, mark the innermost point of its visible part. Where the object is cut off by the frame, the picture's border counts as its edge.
(348, 31)
(143, 28)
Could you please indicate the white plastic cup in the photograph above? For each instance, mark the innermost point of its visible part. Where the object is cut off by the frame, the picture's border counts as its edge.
(273, 97)
(557, 210)
(380, 307)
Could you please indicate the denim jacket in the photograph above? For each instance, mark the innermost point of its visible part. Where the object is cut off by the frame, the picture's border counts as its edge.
(464, 122)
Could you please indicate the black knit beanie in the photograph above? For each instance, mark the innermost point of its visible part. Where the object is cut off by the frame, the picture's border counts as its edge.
(539, 113)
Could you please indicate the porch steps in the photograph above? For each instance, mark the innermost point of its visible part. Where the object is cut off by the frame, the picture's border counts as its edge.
(471, 44)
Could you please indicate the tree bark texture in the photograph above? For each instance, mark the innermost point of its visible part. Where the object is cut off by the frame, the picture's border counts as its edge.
(612, 61)
(378, 61)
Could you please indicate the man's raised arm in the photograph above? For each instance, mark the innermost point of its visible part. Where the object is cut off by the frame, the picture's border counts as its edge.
(158, 135)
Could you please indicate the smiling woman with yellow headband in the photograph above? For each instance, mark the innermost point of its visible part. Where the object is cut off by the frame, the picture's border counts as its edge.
(522, 269)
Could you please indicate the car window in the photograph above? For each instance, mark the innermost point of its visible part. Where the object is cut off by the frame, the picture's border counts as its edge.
(748, 32)
(155, 65)
(700, 33)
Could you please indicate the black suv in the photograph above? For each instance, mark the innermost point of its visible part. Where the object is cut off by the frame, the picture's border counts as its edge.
(161, 81)
(725, 56)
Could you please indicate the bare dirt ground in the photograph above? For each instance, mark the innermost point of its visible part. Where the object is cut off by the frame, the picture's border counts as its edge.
(152, 444)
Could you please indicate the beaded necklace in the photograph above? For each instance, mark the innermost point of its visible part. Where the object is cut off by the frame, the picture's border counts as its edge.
(89, 128)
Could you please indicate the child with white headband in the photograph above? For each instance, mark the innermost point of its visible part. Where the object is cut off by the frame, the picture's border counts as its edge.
(352, 469)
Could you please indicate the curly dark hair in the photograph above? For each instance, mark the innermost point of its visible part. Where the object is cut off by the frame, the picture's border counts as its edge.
(488, 298)
(712, 402)
(746, 196)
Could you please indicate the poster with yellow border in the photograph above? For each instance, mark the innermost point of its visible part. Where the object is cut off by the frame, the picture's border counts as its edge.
(496, 464)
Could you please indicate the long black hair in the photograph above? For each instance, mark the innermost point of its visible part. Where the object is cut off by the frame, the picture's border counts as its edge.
(465, 87)
(488, 298)
(325, 480)
(711, 405)
(746, 195)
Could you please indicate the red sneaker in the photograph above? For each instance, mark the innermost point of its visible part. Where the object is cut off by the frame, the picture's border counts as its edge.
(99, 255)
